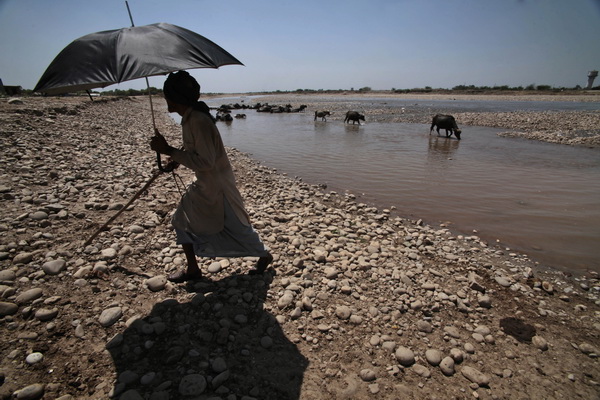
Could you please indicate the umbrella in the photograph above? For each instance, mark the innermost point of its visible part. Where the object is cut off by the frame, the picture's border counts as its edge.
(104, 58)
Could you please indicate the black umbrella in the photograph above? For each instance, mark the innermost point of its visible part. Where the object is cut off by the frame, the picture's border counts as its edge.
(104, 58)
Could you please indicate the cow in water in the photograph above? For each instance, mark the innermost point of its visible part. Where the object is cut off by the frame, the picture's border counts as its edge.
(354, 117)
(447, 122)
(322, 115)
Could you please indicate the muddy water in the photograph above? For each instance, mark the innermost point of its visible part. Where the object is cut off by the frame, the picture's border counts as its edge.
(538, 198)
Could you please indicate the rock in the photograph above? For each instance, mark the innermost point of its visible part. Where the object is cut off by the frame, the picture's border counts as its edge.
(539, 342)
(7, 275)
(108, 254)
(367, 375)
(447, 366)
(157, 283)
(421, 370)
(31, 392)
(285, 300)
(502, 281)
(343, 312)
(45, 314)
(475, 376)
(214, 267)
(54, 267)
(131, 394)
(433, 357)
(192, 385)
(405, 356)
(588, 349)
(8, 308)
(110, 316)
(23, 258)
(424, 326)
(34, 358)
(29, 295)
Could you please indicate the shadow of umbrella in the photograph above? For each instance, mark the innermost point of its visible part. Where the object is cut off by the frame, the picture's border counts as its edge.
(220, 343)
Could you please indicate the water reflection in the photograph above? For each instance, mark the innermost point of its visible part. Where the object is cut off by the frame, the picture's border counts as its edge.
(441, 148)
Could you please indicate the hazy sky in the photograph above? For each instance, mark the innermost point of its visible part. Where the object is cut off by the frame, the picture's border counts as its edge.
(321, 44)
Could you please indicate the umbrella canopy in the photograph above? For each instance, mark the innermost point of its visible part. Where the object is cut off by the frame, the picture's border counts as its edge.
(104, 58)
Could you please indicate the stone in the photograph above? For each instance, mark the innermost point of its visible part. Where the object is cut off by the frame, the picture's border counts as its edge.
(54, 267)
(475, 376)
(110, 316)
(28, 296)
(8, 308)
(31, 392)
(343, 312)
(367, 375)
(433, 357)
(539, 342)
(447, 366)
(192, 385)
(23, 258)
(156, 283)
(405, 356)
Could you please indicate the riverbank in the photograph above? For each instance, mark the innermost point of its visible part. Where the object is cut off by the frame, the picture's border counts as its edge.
(361, 304)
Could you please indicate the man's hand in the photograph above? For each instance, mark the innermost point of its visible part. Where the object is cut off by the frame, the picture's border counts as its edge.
(159, 143)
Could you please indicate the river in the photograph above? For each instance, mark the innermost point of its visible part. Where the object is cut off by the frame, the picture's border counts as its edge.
(537, 198)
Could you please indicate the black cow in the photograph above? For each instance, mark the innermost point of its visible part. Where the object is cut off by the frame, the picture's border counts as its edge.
(447, 122)
(322, 115)
(354, 117)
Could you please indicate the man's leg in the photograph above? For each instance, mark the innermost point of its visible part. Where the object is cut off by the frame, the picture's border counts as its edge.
(192, 263)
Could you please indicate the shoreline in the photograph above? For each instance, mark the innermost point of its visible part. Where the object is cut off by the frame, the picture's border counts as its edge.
(368, 304)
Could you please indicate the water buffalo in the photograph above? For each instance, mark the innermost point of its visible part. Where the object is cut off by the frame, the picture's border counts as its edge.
(354, 117)
(322, 115)
(446, 122)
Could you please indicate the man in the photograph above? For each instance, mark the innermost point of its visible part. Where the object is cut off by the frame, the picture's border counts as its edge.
(211, 220)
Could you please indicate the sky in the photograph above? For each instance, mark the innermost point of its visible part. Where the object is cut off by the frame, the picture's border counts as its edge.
(320, 44)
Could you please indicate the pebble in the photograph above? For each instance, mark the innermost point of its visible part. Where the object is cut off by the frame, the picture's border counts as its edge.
(192, 385)
(367, 375)
(540, 343)
(31, 392)
(433, 357)
(405, 356)
(157, 283)
(475, 376)
(447, 366)
(34, 358)
(54, 267)
(110, 316)
(28, 296)
(8, 308)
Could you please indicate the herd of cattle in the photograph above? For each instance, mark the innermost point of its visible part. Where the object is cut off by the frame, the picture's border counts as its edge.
(439, 121)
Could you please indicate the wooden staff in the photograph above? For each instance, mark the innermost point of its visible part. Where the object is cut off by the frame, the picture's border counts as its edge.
(138, 194)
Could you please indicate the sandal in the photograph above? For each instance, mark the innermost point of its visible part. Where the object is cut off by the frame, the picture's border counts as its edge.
(261, 265)
(180, 277)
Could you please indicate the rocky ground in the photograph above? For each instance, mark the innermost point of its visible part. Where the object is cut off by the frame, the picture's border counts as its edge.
(361, 304)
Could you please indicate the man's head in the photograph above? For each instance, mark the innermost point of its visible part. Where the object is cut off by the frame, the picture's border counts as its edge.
(181, 88)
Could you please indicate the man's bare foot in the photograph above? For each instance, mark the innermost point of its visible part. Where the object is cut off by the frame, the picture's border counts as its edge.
(261, 265)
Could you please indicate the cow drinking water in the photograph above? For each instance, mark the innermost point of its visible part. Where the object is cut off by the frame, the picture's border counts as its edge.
(447, 122)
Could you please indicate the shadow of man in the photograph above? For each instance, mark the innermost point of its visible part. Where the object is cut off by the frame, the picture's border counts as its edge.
(222, 344)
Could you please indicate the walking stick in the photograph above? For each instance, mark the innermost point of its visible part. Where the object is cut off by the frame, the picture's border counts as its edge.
(138, 194)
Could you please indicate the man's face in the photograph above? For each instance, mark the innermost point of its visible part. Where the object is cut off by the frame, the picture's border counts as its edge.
(170, 106)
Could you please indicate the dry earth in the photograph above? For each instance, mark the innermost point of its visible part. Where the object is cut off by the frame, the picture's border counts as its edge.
(361, 304)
